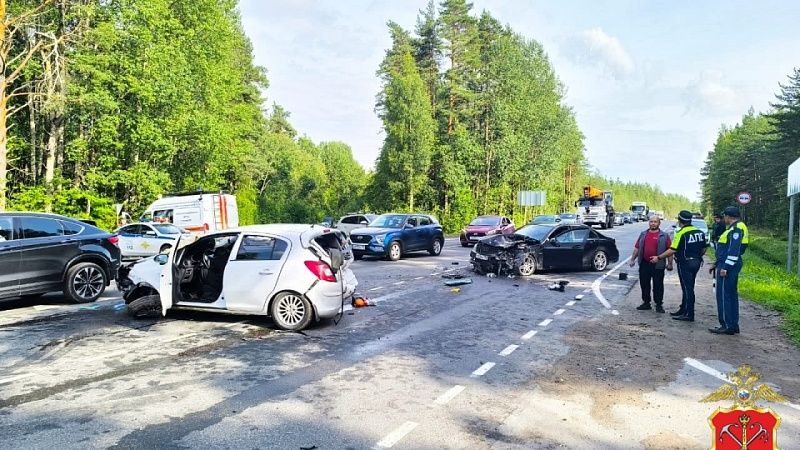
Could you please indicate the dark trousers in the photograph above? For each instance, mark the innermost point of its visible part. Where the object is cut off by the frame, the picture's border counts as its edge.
(728, 297)
(649, 274)
(687, 274)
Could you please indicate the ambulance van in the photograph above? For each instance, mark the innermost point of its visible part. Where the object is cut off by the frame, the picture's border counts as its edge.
(195, 212)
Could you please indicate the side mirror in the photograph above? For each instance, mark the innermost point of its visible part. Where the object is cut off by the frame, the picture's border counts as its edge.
(161, 259)
(150, 233)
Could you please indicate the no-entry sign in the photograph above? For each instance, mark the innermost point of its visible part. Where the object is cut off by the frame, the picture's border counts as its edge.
(744, 198)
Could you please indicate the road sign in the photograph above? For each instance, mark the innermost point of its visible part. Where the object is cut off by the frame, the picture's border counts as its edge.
(118, 207)
(794, 179)
(744, 198)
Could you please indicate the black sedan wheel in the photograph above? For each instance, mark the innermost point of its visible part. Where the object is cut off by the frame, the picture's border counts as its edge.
(85, 282)
(599, 261)
(528, 266)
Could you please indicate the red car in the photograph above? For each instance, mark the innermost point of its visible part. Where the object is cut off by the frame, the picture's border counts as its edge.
(483, 226)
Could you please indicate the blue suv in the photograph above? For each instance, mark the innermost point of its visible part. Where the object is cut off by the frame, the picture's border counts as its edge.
(392, 235)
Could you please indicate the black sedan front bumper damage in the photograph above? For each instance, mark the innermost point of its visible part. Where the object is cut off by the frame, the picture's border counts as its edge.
(499, 255)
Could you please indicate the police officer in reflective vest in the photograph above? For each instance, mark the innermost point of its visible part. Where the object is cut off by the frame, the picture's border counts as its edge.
(730, 248)
(688, 248)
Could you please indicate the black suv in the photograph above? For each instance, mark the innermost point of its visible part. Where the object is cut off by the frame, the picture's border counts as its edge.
(41, 253)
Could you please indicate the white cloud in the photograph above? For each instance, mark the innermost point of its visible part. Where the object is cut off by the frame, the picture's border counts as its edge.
(708, 93)
(596, 46)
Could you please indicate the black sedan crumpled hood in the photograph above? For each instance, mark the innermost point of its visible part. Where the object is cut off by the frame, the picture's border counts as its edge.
(507, 240)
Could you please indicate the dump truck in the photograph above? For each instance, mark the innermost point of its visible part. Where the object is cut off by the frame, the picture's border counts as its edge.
(595, 207)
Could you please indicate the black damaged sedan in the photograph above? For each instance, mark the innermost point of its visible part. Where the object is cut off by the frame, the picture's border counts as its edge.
(543, 247)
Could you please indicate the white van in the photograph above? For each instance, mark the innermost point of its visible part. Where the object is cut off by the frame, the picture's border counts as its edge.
(195, 212)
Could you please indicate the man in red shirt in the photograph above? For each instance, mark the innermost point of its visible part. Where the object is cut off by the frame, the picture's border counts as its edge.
(652, 242)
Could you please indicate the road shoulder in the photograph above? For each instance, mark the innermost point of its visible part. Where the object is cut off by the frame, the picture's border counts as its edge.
(636, 388)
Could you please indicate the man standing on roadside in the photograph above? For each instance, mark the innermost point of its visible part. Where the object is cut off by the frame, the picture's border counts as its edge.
(688, 247)
(717, 229)
(651, 242)
(732, 245)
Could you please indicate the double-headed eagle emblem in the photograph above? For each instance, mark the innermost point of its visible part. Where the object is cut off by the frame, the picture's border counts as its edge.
(743, 390)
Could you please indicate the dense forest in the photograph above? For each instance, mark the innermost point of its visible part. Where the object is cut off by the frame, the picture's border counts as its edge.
(753, 156)
(121, 101)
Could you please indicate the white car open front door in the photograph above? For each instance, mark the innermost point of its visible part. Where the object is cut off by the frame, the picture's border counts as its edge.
(168, 271)
(252, 272)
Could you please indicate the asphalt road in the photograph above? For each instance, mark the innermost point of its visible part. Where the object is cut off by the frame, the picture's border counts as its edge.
(426, 368)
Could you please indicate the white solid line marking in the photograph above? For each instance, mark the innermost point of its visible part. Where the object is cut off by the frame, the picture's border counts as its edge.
(615, 312)
(449, 395)
(597, 282)
(15, 378)
(559, 312)
(398, 283)
(395, 436)
(529, 335)
(45, 307)
(233, 324)
(377, 288)
(509, 350)
(717, 374)
(483, 369)
(570, 303)
(587, 291)
(545, 322)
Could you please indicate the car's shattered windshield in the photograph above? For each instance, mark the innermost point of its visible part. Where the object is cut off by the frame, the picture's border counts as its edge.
(537, 232)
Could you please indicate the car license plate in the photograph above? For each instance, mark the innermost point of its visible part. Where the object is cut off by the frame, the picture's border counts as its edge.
(481, 257)
(359, 247)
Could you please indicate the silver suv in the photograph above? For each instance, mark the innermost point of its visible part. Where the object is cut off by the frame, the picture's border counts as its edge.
(353, 221)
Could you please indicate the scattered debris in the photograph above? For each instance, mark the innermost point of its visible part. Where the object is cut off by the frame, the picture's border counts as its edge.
(579, 297)
(516, 285)
(511, 276)
(313, 447)
(455, 290)
(455, 263)
(623, 275)
(453, 276)
(490, 275)
(559, 286)
(359, 301)
(458, 282)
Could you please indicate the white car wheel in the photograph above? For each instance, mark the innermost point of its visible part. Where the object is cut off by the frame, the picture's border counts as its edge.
(600, 261)
(291, 311)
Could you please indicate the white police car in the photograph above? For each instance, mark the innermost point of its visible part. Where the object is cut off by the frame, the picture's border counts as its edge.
(139, 240)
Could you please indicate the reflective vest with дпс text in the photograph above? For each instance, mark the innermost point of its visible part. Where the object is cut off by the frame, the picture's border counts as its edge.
(732, 245)
(689, 243)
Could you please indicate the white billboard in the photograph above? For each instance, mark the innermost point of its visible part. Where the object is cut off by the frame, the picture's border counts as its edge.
(794, 178)
(531, 198)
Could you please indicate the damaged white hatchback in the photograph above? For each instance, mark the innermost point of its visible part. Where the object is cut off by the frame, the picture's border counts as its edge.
(293, 273)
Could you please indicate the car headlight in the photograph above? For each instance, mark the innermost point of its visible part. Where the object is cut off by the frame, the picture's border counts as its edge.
(379, 238)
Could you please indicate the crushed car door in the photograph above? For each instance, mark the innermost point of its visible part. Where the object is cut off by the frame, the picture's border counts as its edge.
(170, 274)
(252, 272)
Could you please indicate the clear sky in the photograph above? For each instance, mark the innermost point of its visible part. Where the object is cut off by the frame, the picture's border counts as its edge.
(651, 82)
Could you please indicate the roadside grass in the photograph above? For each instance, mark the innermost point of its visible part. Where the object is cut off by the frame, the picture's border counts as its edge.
(764, 279)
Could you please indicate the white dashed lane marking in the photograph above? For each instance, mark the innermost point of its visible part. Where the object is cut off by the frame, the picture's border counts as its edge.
(449, 395)
(545, 322)
(615, 312)
(570, 303)
(508, 350)
(480, 371)
(395, 436)
(376, 288)
(559, 312)
(529, 335)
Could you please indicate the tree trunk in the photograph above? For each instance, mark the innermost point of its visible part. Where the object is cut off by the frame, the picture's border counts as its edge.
(32, 126)
(3, 142)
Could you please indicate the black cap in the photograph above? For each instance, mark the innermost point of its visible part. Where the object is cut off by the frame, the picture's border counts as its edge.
(685, 216)
(731, 211)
